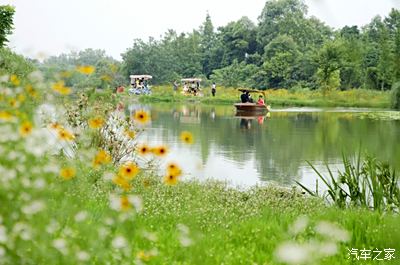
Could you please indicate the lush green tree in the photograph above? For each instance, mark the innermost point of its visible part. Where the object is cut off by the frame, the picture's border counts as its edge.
(107, 70)
(330, 59)
(6, 23)
(288, 17)
(236, 75)
(12, 63)
(209, 47)
(281, 17)
(385, 66)
(238, 39)
(168, 59)
(353, 54)
(281, 54)
(392, 22)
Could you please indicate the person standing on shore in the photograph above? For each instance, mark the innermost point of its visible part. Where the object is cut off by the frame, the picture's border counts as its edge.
(213, 89)
(175, 84)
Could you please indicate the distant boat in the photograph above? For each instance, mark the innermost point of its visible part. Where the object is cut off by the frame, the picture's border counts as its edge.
(139, 84)
(251, 108)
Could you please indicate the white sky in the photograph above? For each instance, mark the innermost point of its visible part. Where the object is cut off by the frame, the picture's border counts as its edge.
(50, 27)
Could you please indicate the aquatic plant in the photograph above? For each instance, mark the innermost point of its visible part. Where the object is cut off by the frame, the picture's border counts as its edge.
(367, 183)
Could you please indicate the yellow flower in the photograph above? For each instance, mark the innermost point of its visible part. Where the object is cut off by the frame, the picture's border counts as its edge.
(143, 149)
(187, 137)
(65, 135)
(55, 126)
(85, 69)
(160, 150)
(67, 173)
(60, 88)
(21, 98)
(6, 116)
(171, 179)
(96, 122)
(143, 256)
(122, 182)
(128, 170)
(142, 116)
(31, 91)
(101, 158)
(14, 80)
(125, 204)
(25, 129)
(13, 102)
(65, 91)
(174, 169)
(130, 134)
(58, 85)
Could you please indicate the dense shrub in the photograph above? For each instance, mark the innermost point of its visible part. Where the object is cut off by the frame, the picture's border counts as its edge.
(12, 63)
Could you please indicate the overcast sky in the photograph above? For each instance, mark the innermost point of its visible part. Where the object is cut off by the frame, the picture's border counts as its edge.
(50, 27)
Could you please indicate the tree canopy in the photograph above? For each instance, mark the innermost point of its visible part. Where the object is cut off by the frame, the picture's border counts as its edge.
(6, 23)
(285, 49)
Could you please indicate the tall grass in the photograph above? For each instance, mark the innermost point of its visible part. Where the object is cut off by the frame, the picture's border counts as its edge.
(365, 182)
(280, 97)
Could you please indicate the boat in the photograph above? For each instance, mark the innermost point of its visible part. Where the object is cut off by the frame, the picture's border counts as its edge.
(191, 86)
(139, 84)
(251, 109)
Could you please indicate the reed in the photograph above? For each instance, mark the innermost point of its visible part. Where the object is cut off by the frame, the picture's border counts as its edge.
(365, 182)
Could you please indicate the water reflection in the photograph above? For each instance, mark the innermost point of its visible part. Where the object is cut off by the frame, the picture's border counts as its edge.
(247, 150)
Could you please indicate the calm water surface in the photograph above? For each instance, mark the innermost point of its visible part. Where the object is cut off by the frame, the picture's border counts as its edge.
(246, 151)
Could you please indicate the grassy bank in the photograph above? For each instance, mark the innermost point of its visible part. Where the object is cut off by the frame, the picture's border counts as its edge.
(281, 97)
(190, 223)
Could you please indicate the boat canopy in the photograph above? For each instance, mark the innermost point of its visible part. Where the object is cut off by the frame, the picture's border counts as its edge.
(144, 77)
(191, 80)
(251, 90)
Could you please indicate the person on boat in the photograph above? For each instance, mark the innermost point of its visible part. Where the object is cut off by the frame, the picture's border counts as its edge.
(244, 97)
(250, 98)
(213, 89)
(261, 101)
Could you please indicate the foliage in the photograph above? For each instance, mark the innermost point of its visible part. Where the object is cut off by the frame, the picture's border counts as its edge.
(107, 73)
(366, 183)
(11, 62)
(396, 96)
(6, 23)
(235, 75)
(329, 61)
(285, 49)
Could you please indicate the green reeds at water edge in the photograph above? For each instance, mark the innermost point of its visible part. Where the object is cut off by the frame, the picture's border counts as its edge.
(365, 182)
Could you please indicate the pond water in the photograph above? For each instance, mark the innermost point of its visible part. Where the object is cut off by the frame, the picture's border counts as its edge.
(246, 151)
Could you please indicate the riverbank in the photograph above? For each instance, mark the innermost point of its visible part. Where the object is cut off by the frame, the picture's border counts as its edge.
(281, 97)
(189, 223)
